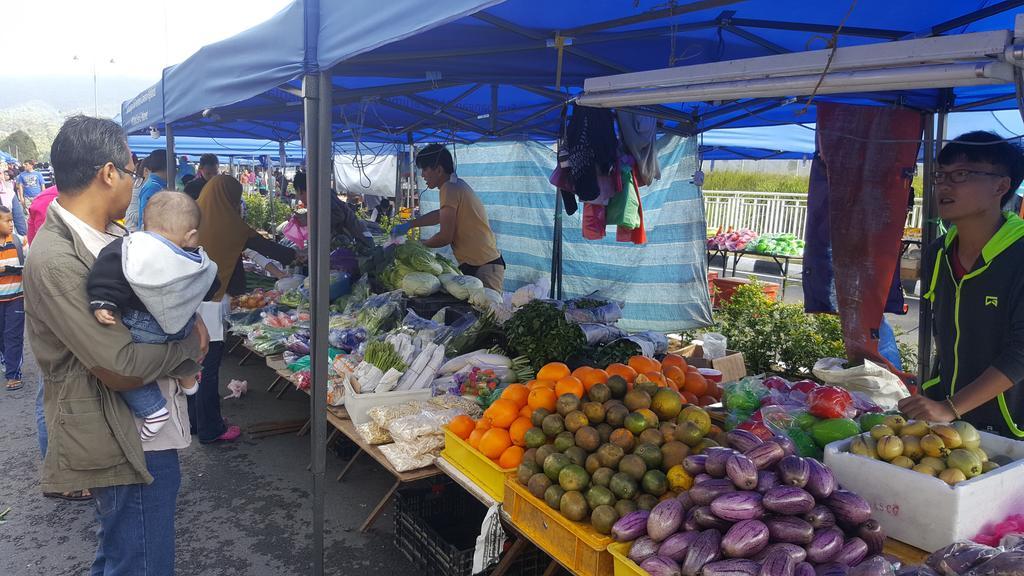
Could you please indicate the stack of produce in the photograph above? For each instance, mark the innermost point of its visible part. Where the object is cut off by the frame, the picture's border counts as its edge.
(812, 415)
(756, 508)
(258, 298)
(952, 452)
(971, 559)
(732, 239)
(591, 446)
(780, 244)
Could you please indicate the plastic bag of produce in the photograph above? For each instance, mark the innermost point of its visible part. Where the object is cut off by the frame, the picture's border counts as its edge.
(960, 557)
(419, 284)
(883, 387)
(405, 457)
(744, 395)
(383, 416)
(530, 292)
(1008, 563)
(460, 286)
(373, 434)
(593, 308)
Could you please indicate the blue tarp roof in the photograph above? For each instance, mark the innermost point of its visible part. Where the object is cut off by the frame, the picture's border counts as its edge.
(222, 147)
(466, 70)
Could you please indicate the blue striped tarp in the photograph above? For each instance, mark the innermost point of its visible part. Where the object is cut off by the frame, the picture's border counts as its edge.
(663, 283)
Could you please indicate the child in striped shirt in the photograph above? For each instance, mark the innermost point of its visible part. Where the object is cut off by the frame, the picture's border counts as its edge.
(12, 299)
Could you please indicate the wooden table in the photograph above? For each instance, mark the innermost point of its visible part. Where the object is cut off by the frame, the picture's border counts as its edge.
(338, 418)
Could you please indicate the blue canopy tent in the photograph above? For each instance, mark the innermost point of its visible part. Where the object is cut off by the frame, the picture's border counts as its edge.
(224, 148)
(5, 157)
(464, 71)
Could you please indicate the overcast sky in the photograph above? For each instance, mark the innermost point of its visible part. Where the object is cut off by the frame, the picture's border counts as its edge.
(141, 36)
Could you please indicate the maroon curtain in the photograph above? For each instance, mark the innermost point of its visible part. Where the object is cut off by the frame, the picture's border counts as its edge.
(868, 152)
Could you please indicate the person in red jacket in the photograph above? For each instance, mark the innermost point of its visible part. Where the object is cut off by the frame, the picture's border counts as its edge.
(37, 211)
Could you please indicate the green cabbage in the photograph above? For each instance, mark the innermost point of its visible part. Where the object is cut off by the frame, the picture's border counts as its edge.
(420, 284)
(418, 257)
(461, 286)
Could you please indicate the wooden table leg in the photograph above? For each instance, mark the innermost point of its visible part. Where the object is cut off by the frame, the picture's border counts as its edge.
(284, 390)
(248, 355)
(514, 551)
(274, 383)
(349, 465)
(305, 429)
(552, 568)
(235, 345)
(380, 507)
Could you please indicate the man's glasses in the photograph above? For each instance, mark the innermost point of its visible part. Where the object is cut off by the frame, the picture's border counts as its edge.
(135, 177)
(960, 176)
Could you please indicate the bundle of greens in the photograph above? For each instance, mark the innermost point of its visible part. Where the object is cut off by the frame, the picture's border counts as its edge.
(383, 355)
(541, 332)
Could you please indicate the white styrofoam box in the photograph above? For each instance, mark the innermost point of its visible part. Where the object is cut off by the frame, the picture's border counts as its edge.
(924, 511)
(358, 405)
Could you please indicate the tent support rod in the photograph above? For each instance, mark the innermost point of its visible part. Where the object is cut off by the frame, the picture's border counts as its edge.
(426, 116)
(971, 17)
(980, 103)
(656, 111)
(448, 104)
(820, 28)
(935, 134)
(649, 16)
(443, 114)
(494, 108)
(754, 38)
(517, 125)
(317, 104)
(172, 162)
(748, 114)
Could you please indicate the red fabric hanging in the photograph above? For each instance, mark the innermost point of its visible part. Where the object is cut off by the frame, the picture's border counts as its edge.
(594, 222)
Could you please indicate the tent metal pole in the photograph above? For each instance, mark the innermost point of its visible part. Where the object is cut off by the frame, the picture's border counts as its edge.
(928, 229)
(317, 99)
(971, 17)
(172, 162)
(647, 16)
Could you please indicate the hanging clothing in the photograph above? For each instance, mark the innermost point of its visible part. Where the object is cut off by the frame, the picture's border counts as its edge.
(639, 133)
(593, 149)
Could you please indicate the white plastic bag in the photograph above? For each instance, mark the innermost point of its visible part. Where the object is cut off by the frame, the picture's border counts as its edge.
(873, 380)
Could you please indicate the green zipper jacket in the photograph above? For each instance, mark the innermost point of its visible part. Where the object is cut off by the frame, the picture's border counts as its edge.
(979, 322)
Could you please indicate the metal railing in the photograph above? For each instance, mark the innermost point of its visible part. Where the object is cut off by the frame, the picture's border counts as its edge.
(767, 212)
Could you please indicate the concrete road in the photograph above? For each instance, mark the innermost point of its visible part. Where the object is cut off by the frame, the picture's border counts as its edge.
(244, 508)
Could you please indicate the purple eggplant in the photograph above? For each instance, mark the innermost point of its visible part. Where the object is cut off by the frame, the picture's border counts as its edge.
(826, 545)
(745, 539)
(788, 446)
(704, 550)
(766, 455)
(777, 563)
(804, 569)
(820, 482)
(794, 471)
(741, 471)
(685, 499)
(797, 553)
(706, 519)
(850, 509)
(660, 566)
(766, 480)
(788, 500)
(790, 529)
(676, 545)
(854, 550)
(665, 518)
(820, 516)
(702, 478)
(743, 440)
(832, 569)
(736, 506)
(717, 457)
(872, 567)
(690, 524)
(642, 549)
(694, 464)
(873, 535)
(631, 526)
(734, 567)
(703, 493)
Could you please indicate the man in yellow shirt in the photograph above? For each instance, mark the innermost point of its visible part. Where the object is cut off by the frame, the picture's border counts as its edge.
(462, 218)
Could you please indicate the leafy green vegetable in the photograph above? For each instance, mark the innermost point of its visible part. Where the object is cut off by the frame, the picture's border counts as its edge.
(382, 355)
(619, 351)
(540, 332)
(418, 258)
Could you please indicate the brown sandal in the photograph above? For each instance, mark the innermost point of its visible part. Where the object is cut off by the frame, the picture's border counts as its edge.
(13, 385)
(76, 496)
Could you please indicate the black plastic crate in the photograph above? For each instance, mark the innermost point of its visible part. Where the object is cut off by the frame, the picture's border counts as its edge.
(436, 529)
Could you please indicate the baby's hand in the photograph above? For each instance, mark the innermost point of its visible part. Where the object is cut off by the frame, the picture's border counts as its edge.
(105, 317)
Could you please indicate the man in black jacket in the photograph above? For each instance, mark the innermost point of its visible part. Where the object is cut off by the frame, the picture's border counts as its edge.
(209, 166)
(976, 286)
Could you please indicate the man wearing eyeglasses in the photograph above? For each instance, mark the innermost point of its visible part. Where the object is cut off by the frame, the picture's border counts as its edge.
(976, 288)
(93, 437)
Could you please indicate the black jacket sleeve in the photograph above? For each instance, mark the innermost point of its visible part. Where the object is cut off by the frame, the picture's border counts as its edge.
(271, 249)
(107, 287)
(1011, 361)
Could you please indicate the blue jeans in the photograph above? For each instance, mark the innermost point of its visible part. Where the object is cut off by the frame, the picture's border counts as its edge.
(12, 335)
(146, 400)
(204, 406)
(20, 226)
(136, 533)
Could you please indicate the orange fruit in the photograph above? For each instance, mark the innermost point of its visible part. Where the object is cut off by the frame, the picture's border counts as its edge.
(511, 457)
(553, 371)
(516, 393)
(696, 384)
(657, 378)
(525, 411)
(483, 423)
(676, 375)
(542, 397)
(674, 360)
(502, 413)
(625, 372)
(592, 377)
(689, 398)
(643, 364)
(494, 442)
(580, 372)
(474, 438)
(714, 390)
(541, 384)
(518, 429)
(569, 385)
(462, 426)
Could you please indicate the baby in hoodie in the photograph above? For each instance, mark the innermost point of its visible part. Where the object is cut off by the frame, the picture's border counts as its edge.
(156, 279)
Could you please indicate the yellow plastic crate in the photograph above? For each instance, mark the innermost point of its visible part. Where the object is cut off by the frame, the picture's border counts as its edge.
(575, 545)
(623, 565)
(479, 468)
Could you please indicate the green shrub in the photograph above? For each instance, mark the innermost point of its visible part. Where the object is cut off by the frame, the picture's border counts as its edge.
(761, 182)
(261, 215)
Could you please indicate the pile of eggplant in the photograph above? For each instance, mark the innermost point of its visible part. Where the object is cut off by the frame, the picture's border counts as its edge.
(756, 509)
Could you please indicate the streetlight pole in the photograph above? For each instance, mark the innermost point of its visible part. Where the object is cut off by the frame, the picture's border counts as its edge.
(95, 86)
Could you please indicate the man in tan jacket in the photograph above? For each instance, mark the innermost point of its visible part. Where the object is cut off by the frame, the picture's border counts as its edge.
(94, 440)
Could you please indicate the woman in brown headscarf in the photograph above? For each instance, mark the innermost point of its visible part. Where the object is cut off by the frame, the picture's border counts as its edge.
(224, 235)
